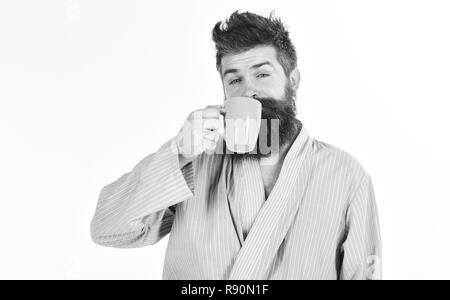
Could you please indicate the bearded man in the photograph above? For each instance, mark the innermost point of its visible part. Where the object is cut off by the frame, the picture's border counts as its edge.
(308, 212)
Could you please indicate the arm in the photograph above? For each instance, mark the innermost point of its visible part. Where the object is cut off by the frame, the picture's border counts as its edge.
(138, 209)
(361, 250)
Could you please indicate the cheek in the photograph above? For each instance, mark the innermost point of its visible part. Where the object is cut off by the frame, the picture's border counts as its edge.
(275, 88)
(230, 91)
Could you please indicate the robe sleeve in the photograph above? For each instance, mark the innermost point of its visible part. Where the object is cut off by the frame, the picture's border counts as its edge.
(361, 249)
(138, 208)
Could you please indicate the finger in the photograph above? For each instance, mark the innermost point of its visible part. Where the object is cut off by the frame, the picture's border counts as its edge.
(196, 114)
(211, 124)
(210, 145)
(211, 135)
(211, 112)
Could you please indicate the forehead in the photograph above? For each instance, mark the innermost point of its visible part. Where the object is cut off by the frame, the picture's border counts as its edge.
(252, 57)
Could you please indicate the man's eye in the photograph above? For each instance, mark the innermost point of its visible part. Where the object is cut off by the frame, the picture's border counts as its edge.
(263, 75)
(234, 81)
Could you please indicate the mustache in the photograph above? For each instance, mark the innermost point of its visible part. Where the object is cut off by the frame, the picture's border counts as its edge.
(276, 108)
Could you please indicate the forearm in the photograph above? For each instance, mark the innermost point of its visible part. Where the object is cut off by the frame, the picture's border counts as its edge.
(132, 210)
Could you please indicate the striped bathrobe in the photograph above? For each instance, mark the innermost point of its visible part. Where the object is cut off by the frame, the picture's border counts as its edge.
(319, 222)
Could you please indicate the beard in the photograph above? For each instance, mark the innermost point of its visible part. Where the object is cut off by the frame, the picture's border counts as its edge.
(282, 111)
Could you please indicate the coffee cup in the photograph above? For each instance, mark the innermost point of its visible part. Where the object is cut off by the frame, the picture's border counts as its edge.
(242, 123)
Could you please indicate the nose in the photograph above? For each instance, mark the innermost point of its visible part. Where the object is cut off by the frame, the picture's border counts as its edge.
(250, 91)
(251, 94)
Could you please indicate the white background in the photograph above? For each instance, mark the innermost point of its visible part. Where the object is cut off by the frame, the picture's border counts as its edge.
(89, 88)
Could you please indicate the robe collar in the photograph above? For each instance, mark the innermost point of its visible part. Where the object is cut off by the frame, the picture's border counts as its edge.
(277, 214)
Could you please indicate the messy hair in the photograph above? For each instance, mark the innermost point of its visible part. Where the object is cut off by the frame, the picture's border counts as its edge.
(243, 31)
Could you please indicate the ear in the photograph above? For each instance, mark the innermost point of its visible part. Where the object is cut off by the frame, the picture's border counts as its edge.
(294, 79)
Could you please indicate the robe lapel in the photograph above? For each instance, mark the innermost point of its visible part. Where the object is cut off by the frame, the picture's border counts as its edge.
(247, 195)
(245, 191)
(227, 191)
(277, 214)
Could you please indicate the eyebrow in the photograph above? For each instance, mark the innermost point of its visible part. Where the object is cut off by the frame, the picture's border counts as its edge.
(229, 71)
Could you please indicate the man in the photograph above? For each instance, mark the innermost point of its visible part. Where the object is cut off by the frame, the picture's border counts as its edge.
(310, 213)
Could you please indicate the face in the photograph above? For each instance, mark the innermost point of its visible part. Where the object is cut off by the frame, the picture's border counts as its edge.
(257, 74)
